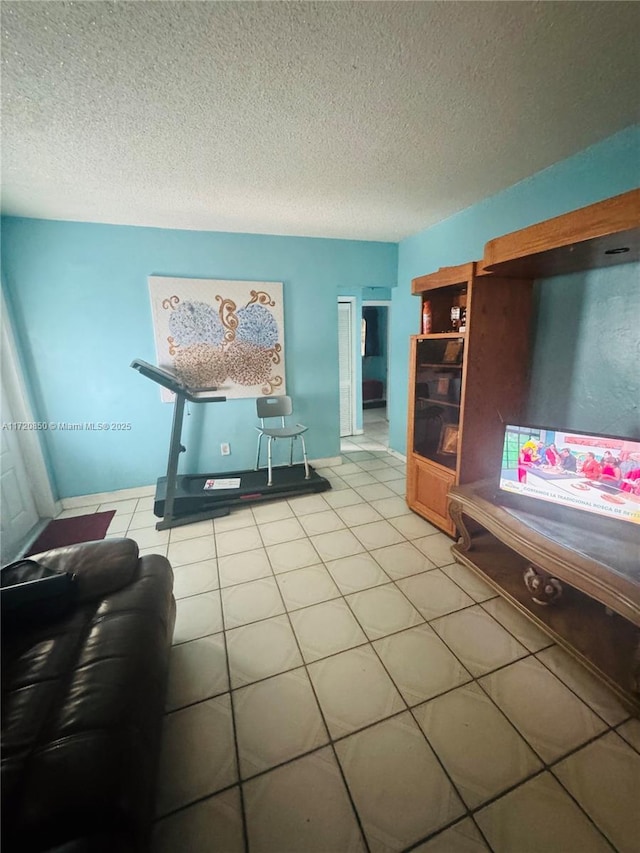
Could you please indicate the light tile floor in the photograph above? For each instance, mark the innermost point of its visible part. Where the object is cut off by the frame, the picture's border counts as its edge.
(338, 684)
(376, 433)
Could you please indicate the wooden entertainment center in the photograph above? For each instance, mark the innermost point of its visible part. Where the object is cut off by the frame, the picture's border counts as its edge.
(578, 582)
(581, 585)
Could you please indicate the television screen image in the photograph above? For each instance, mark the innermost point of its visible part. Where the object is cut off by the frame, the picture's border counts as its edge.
(594, 473)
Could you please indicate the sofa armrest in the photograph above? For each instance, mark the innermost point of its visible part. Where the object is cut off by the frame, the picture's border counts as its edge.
(102, 567)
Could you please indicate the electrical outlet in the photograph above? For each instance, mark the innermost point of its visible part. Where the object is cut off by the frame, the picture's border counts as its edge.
(225, 448)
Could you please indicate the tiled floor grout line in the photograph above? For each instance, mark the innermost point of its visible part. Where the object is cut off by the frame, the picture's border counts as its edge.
(318, 704)
(369, 643)
(609, 725)
(469, 812)
(341, 595)
(530, 654)
(577, 802)
(392, 580)
(363, 728)
(443, 829)
(324, 721)
(534, 654)
(243, 813)
(317, 701)
(632, 745)
(331, 741)
(333, 655)
(185, 806)
(546, 767)
(407, 707)
(410, 708)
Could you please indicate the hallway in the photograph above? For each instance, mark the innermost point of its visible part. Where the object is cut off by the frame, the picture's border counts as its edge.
(375, 436)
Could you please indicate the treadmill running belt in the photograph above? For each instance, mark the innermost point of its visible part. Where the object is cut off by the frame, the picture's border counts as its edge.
(191, 496)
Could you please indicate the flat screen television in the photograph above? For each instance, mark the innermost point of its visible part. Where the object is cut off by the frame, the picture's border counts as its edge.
(585, 471)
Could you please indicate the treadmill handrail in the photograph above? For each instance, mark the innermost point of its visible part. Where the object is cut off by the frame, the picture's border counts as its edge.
(170, 380)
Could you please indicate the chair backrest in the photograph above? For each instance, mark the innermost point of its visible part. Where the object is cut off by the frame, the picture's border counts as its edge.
(274, 407)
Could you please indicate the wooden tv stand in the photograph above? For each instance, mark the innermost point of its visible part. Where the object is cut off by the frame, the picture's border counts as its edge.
(577, 579)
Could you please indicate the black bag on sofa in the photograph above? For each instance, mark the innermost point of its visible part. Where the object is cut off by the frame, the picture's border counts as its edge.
(33, 593)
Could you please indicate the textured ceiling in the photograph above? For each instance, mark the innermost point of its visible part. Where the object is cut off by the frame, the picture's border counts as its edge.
(367, 120)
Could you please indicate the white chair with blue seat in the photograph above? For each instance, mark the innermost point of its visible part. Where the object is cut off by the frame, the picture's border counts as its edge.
(278, 407)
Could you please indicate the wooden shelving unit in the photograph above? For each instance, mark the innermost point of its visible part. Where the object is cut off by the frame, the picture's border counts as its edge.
(597, 616)
(486, 387)
(594, 608)
(494, 367)
(603, 234)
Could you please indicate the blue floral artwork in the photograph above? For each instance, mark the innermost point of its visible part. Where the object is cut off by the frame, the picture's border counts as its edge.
(224, 334)
(195, 323)
(257, 325)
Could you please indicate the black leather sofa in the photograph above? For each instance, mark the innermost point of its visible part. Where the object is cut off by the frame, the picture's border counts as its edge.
(82, 707)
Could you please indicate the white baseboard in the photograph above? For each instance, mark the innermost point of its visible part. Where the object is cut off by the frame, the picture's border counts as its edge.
(397, 455)
(108, 497)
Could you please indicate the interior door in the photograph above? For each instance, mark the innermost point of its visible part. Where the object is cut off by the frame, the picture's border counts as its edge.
(345, 367)
(19, 515)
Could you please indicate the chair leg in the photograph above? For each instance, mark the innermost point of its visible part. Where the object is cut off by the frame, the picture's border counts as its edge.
(258, 452)
(290, 452)
(304, 456)
(269, 481)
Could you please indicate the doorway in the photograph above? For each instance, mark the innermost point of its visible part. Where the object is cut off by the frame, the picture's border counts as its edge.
(375, 371)
(25, 491)
(347, 365)
(374, 353)
(19, 513)
(363, 366)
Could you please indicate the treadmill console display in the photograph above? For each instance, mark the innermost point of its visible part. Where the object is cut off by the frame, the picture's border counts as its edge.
(170, 380)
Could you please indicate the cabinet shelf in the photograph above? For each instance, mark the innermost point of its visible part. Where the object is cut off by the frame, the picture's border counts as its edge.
(440, 335)
(432, 401)
(440, 364)
(599, 235)
(449, 442)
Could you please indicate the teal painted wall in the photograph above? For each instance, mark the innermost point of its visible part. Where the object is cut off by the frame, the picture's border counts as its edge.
(79, 298)
(80, 303)
(581, 304)
(586, 357)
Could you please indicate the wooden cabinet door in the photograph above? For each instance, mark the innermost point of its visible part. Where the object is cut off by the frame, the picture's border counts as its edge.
(427, 487)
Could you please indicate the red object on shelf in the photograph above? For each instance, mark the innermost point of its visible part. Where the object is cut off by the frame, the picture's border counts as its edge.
(426, 318)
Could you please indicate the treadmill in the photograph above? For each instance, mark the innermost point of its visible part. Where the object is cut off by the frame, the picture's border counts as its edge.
(186, 498)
